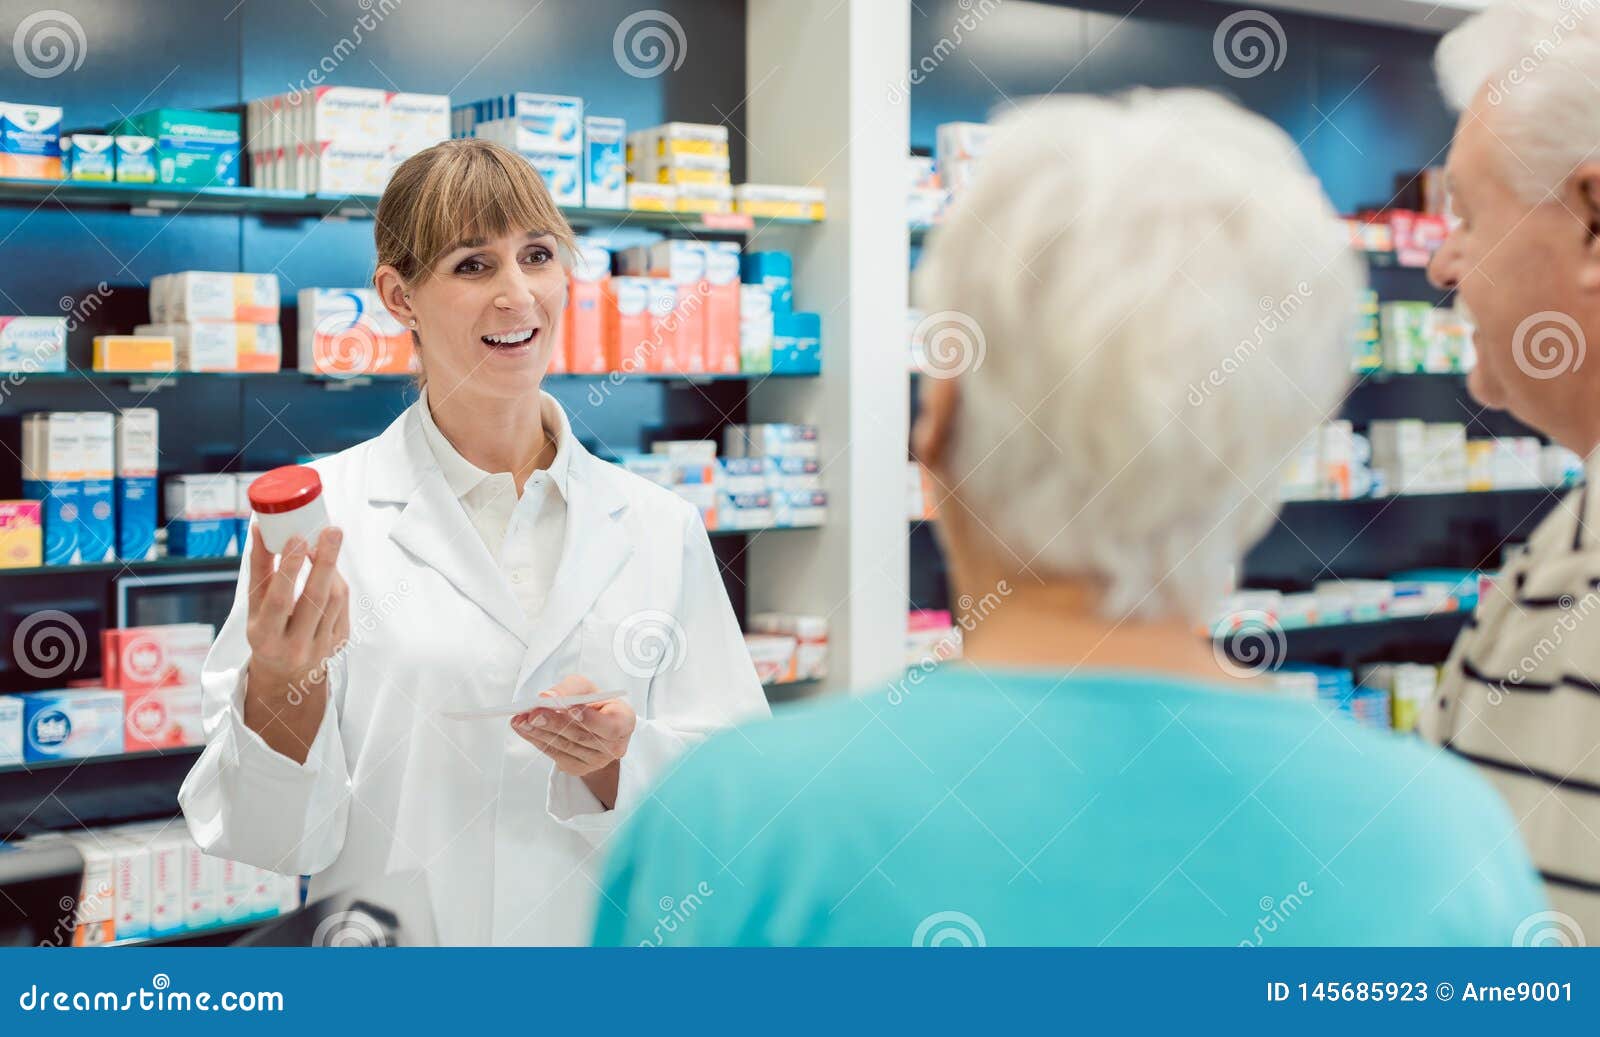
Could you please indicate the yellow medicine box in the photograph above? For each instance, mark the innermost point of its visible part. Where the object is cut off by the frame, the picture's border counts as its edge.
(134, 353)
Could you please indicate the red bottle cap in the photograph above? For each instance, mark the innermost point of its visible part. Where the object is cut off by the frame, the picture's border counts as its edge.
(284, 489)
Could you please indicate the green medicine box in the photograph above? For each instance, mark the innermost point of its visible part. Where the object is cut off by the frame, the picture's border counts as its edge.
(193, 148)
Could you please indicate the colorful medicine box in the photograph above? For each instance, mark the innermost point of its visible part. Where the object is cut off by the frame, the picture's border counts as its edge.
(797, 343)
(196, 148)
(775, 270)
(345, 332)
(89, 156)
(10, 730)
(33, 344)
(205, 295)
(136, 158)
(21, 535)
(140, 659)
(137, 458)
(71, 725)
(30, 141)
(605, 167)
(134, 353)
(163, 718)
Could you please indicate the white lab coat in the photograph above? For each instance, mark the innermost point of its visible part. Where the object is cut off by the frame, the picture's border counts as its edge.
(510, 847)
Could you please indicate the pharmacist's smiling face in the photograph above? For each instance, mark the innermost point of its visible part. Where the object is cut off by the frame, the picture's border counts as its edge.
(489, 316)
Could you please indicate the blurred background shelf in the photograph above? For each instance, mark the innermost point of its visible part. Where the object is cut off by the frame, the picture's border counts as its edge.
(164, 200)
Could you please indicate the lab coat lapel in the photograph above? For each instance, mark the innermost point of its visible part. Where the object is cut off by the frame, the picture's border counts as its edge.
(434, 526)
(593, 552)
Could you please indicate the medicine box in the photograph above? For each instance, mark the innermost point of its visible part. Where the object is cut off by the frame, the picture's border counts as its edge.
(551, 123)
(136, 158)
(774, 270)
(797, 343)
(168, 852)
(30, 141)
(220, 346)
(352, 116)
(52, 473)
(769, 201)
(674, 139)
(94, 915)
(605, 168)
(140, 659)
(583, 333)
(770, 440)
(10, 730)
(33, 344)
(663, 351)
(416, 122)
(626, 324)
(131, 885)
(773, 656)
(800, 508)
(755, 328)
(346, 332)
(97, 525)
(204, 295)
(75, 724)
(703, 198)
(134, 353)
(192, 147)
(90, 156)
(648, 197)
(202, 516)
(202, 888)
(21, 537)
(721, 300)
(137, 458)
(163, 718)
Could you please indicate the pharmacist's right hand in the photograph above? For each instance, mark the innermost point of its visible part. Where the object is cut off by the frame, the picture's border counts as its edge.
(292, 640)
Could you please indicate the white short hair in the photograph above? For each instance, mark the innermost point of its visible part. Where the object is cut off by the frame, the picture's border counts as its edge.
(1161, 298)
(1538, 62)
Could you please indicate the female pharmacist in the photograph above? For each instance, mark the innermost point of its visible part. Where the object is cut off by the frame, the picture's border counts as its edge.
(480, 556)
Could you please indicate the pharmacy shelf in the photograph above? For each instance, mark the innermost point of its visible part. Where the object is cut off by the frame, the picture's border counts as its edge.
(1383, 260)
(109, 758)
(1457, 614)
(131, 567)
(170, 200)
(207, 935)
(174, 563)
(157, 379)
(1299, 502)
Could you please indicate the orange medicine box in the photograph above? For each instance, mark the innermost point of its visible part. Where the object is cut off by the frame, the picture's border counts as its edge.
(625, 325)
(138, 659)
(721, 305)
(21, 536)
(584, 332)
(134, 353)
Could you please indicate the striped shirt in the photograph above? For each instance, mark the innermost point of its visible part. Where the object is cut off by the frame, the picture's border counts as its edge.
(1520, 697)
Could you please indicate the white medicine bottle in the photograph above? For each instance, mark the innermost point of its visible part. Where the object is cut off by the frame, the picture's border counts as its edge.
(288, 503)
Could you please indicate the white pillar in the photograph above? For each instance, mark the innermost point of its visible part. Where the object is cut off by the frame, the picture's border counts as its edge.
(827, 105)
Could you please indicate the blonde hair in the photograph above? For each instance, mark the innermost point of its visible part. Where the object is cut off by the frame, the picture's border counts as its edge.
(457, 190)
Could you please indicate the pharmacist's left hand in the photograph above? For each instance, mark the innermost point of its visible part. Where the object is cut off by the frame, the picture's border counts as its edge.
(581, 740)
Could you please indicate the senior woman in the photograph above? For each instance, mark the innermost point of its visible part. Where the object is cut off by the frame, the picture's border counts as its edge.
(1088, 774)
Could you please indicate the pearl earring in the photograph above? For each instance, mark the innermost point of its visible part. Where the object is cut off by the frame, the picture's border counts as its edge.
(413, 322)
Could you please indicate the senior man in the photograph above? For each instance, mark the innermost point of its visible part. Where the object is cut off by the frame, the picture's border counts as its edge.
(1521, 692)
(1085, 775)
